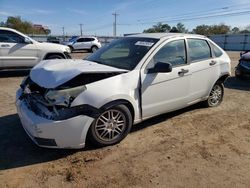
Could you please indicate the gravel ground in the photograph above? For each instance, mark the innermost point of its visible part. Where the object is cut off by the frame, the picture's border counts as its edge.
(193, 147)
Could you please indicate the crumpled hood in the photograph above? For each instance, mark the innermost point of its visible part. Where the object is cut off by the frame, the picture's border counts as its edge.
(53, 73)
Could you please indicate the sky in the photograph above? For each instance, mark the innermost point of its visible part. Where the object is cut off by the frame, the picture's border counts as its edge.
(133, 15)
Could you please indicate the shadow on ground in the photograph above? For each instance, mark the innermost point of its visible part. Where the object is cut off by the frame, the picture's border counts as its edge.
(14, 73)
(17, 150)
(164, 117)
(236, 83)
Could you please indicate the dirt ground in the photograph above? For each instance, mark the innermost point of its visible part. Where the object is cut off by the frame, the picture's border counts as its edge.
(193, 147)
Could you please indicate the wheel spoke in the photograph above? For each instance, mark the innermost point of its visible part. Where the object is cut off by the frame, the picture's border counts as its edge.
(103, 119)
(109, 115)
(101, 125)
(101, 128)
(118, 130)
(119, 124)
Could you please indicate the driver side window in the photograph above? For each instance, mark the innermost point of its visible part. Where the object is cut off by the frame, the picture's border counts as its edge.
(10, 37)
(173, 52)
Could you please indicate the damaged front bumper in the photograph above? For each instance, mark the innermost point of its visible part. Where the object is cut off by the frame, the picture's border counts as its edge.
(63, 133)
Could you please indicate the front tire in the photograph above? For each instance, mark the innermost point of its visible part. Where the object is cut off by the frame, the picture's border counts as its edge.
(112, 126)
(94, 48)
(216, 95)
(55, 57)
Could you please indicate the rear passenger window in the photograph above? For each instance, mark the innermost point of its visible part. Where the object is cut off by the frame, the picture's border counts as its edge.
(198, 49)
(173, 52)
(216, 50)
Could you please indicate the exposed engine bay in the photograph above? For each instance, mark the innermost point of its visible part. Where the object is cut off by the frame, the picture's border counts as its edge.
(55, 104)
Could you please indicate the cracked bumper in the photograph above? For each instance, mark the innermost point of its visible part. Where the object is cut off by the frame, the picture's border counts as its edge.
(69, 133)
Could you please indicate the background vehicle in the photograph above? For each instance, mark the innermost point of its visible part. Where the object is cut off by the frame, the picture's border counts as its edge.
(84, 43)
(243, 68)
(19, 51)
(129, 80)
(53, 39)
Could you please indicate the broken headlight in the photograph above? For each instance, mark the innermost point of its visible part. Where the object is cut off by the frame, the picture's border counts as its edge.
(63, 97)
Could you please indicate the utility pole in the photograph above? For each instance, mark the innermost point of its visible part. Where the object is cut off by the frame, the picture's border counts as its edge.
(115, 24)
(81, 28)
(63, 34)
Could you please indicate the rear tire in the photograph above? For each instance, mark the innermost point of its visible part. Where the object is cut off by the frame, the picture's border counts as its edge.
(216, 95)
(112, 126)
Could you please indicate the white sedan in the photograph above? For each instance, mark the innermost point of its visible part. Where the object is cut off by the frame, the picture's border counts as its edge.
(127, 81)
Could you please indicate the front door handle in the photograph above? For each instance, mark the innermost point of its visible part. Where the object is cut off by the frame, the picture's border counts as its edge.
(183, 71)
(5, 45)
(212, 63)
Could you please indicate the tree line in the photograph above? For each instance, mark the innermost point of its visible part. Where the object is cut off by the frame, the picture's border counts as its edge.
(16, 22)
(200, 29)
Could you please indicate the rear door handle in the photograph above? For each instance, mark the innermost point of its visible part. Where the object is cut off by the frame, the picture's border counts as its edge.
(212, 63)
(183, 71)
(5, 45)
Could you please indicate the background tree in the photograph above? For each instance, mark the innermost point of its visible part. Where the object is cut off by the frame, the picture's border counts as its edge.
(245, 30)
(202, 29)
(174, 30)
(212, 30)
(158, 28)
(235, 30)
(23, 26)
(181, 28)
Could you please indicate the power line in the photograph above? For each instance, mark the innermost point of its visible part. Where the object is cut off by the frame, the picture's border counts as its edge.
(224, 8)
(202, 17)
(197, 17)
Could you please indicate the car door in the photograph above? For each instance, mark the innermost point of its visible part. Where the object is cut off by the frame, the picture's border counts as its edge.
(205, 68)
(164, 92)
(16, 51)
(88, 43)
(79, 44)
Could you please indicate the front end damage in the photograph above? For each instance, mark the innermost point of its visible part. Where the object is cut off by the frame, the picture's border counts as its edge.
(59, 100)
(47, 115)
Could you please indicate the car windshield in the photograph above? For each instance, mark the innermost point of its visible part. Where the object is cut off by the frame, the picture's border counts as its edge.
(124, 53)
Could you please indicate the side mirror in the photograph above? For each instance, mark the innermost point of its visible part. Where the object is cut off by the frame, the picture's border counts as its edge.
(160, 67)
(27, 41)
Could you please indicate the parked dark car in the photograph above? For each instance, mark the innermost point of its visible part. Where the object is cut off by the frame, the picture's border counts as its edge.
(243, 68)
(53, 40)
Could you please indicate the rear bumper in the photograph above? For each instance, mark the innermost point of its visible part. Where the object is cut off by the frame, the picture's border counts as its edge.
(69, 133)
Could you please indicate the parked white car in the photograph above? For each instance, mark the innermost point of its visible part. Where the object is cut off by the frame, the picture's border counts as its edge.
(125, 82)
(20, 51)
(84, 43)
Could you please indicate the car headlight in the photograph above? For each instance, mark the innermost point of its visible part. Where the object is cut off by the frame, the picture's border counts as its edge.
(68, 50)
(63, 97)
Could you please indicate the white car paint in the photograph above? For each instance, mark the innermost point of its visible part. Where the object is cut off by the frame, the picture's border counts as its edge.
(58, 72)
(149, 94)
(84, 43)
(27, 53)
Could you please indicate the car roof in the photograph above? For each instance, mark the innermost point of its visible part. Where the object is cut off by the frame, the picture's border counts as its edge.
(165, 35)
